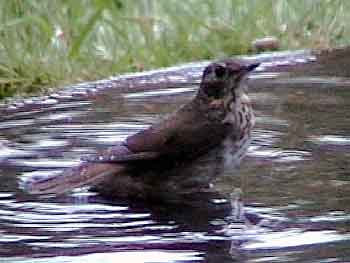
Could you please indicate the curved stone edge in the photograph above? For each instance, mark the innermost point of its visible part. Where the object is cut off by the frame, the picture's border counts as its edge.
(329, 62)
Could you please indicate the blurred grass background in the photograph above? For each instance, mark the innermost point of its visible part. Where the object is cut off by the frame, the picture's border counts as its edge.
(51, 43)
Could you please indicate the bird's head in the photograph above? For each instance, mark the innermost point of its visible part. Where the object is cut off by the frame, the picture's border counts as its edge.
(224, 81)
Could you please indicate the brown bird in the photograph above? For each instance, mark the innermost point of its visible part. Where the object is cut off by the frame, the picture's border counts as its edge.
(181, 155)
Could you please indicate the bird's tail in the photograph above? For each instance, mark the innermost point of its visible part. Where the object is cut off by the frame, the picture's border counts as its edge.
(86, 174)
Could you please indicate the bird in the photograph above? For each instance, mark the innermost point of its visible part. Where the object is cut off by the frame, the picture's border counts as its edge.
(181, 155)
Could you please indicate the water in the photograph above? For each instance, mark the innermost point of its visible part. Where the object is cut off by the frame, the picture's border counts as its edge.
(294, 181)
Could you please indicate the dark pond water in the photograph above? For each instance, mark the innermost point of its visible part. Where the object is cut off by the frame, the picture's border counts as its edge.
(294, 182)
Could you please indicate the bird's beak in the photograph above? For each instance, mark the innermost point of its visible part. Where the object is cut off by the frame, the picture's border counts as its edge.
(246, 69)
(252, 66)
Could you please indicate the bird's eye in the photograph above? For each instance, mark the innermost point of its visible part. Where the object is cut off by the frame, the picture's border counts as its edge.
(220, 71)
(207, 71)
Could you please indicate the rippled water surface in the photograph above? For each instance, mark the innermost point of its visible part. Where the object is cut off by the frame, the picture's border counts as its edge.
(294, 182)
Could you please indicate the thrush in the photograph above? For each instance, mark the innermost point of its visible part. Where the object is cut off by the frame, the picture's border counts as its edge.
(182, 154)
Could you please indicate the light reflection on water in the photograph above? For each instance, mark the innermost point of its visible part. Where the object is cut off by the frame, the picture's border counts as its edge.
(126, 256)
(294, 181)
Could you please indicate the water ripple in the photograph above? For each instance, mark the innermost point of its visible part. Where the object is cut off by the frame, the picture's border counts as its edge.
(155, 256)
(288, 203)
(294, 238)
(279, 155)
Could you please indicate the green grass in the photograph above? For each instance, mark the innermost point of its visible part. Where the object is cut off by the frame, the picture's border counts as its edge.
(51, 43)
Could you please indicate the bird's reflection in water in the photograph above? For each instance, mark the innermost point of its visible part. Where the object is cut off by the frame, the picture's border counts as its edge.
(210, 221)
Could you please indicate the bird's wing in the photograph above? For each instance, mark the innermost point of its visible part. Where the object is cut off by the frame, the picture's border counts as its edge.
(163, 138)
(120, 154)
(187, 133)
